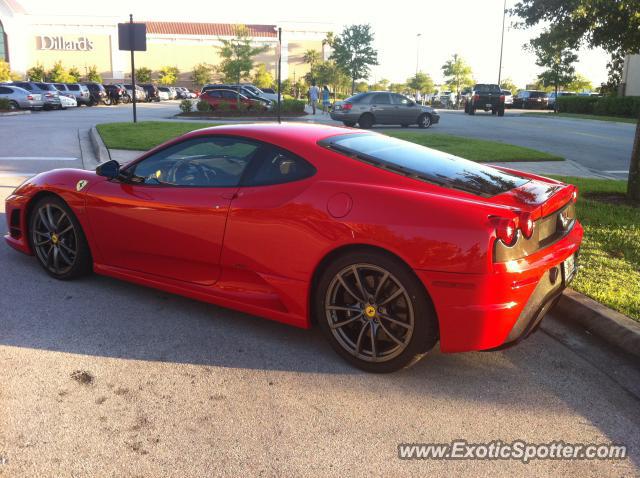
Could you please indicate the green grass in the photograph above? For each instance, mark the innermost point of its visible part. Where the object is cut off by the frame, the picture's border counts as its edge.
(147, 134)
(144, 135)
(610, 253)
(618, 119)
(474, 149)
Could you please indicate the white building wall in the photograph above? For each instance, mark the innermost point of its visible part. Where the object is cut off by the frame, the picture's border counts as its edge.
(631, 75)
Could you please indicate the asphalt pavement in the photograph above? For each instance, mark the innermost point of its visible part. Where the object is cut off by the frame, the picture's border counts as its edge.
(105, 378)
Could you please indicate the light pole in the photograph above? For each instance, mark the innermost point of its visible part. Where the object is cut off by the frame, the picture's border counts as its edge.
(504, 15)
(418, 51)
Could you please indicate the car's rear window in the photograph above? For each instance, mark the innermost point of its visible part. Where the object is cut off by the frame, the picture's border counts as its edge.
(73, 87)
(481, 88)
(425, 164)
(537, 94)
(46, 86)
(358, 98)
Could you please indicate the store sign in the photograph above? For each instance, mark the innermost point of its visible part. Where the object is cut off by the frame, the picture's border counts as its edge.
(61, 43)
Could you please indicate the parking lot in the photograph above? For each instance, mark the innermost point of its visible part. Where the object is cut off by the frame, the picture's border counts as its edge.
(99, 374)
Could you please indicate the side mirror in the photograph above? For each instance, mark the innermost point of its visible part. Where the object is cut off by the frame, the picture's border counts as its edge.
(109, 169)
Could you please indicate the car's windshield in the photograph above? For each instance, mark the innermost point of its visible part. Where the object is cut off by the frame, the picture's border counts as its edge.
(419, 162)
(480, 88)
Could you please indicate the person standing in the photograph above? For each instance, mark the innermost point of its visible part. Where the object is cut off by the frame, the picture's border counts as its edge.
(326, 102)
(314, 94)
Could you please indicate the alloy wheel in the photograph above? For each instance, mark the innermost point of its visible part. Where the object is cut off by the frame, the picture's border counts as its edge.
(55, 239)
(369, 312)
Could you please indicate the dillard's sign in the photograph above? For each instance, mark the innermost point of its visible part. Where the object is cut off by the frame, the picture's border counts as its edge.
(61, 43)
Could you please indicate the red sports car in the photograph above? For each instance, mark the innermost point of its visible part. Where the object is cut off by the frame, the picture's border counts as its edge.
(388, 246)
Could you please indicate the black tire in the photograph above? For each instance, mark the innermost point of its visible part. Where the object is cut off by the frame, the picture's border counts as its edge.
(13, 105)
(387, 275)
(501, 111)
(107, 101)
(472, 110)
(350, 124)
(466, 109)
(66, 241)
(366, 121)
(424, 121)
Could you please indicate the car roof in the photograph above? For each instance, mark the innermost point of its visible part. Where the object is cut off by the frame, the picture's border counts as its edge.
(18, 88)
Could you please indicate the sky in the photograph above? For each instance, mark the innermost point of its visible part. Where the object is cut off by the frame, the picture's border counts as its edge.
(470, 28)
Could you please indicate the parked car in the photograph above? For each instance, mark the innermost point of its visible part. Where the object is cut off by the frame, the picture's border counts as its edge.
(388, 246)
(150, 91)
(117, 93)
(19, 98)
(382, 107)
(48, 92)
(531, 99)
(67, 100)
(141, 94)
(273, 97)
(218, 97)
(508, 98)
(78, 91)
(97, 93)
(551, 101)
(183, 93)
(487, 97)
(242, 89)
(163, 93)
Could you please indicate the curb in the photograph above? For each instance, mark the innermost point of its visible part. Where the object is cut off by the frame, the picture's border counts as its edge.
(16, 113)
(615, 328)
(240, 118)
(99, 149)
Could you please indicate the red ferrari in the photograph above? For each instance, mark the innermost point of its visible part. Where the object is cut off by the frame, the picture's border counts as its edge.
(388, 246)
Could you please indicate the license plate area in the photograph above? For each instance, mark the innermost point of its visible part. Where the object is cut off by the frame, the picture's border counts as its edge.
(569, 268)
(488, 105)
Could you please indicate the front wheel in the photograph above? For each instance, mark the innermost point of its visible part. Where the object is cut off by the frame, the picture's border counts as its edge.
(375, 312)
(13, 105)
(366, 121)
(424, 121)
(501, 111)
(57, 239)
(350, 124)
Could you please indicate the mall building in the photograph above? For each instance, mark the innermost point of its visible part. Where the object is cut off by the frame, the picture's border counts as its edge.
(29, 37)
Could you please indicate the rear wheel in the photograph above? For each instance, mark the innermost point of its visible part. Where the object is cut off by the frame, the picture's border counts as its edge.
(424, 121)
(350, 124)
(374, 312)
(501, 111)
(13, 105)
(472, 110)
(57, 239)
(366, 121)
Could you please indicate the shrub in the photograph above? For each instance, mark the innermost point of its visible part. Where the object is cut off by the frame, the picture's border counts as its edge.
(203, 106)
(223, 107)
(4, 103)
(291, 106)
(186, 106)
(626, 106)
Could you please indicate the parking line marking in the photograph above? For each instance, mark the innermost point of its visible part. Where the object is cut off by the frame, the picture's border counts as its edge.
(37, 158)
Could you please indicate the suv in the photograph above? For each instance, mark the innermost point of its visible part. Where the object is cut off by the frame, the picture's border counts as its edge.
(487, 97)
(150, 90)
(50, 95)
(141, 93)
(531, 99)
(383, 107)
(246, 90)
(75, 90)
(97, 94)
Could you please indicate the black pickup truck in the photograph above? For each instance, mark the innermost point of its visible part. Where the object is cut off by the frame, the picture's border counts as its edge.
(485, 97)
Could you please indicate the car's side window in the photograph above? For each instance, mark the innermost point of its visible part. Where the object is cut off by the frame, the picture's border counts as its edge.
(210, 161)
(277, 166)
(381, 99)
(401, 100)
(5, 91)
(229, 95)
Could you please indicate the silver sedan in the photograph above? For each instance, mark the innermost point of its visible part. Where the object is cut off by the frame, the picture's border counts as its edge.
(19, 98)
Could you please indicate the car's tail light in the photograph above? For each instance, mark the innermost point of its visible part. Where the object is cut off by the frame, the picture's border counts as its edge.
(526, 225)
(501, 98)
(507, 230)
(49, 95)
(476, 97)
(574, 196)
(347, 106)
(29, 97)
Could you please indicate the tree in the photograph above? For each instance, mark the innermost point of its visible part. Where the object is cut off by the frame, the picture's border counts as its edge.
(36, 73)
(580, 83)
(508, 84)
(143, 74)
(262, 78)
(237, 55)
(202, 74)
(92, 74)
(615, 68)
(168, 75)
(554, 53)
(58, 74)
(421, 82)
(457, 73)
(74, 74)
(311, 57)
(611, 25)
(380, 85)
(329, 73)
(353, 52)
(398, 87)
(362, 87)
(6, 74)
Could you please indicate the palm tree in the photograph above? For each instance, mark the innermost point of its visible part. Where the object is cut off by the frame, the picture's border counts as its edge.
(311, 57)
